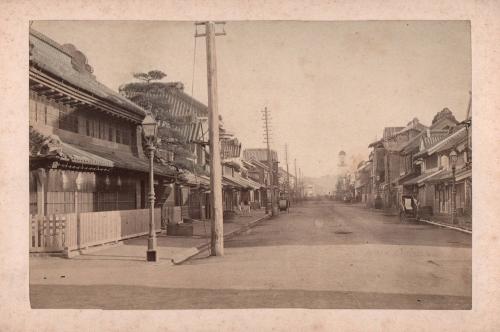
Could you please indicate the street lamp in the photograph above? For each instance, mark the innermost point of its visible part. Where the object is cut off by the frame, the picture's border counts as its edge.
(453, 161)
(150, 127)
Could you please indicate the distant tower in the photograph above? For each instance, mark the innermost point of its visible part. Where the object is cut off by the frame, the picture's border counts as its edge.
(341, 159)
(340, 186)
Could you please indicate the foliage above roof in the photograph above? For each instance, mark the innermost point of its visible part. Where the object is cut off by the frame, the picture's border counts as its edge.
(445, 113)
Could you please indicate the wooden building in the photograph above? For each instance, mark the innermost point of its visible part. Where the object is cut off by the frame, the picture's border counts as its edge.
(86, 150)
(436, 188)
(261, 172)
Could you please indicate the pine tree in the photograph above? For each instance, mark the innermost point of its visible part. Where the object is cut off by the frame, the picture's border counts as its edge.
(147, 94)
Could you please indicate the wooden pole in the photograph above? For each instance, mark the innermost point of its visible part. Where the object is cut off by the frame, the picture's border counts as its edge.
(269, 160)
(301, 188)
(217, 236)
(287, 174)
(296, 180)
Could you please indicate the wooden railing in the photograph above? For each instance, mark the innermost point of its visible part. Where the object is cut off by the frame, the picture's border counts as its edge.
(70, 231)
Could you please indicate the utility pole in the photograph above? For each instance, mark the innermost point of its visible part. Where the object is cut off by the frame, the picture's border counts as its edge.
(217, 236)
(296, 180)
(301, 185)
(287, 174)
(269, 158)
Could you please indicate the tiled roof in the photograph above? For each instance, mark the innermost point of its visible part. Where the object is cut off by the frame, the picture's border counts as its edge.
(181, 104)
(414, 143)
(433, 140)
(390, 131)
(413, 125)
(255, 162)
(69, 64)
(128, 161)
(76, 155)
(452, 141)
(259, 154)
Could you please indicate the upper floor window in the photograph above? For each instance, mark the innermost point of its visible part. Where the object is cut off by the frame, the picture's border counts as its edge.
(118, 136)
(431, 162)
(445, 162)
(110, 134)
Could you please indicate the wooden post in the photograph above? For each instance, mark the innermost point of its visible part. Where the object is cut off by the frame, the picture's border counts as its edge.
(217, 236)
(41, 176)
(269, 161)
(287, 174)
(295, 193)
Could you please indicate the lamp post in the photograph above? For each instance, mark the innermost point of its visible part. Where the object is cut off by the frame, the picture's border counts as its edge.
(150, 127)
(453, 161)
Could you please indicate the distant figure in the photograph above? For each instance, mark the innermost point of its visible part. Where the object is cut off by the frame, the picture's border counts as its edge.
(246, 208)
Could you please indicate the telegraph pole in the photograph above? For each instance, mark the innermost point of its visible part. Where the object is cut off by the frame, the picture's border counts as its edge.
(269, 158)
(287, 174)
(217, 236)
(296, 179)
(301, 188)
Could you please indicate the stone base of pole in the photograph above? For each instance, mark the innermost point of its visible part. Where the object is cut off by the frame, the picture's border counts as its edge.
(151, 256)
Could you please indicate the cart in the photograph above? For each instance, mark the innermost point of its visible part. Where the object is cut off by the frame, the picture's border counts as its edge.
(408, 209)
(283, 204)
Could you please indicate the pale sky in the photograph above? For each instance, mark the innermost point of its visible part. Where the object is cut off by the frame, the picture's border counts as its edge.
(330, 86)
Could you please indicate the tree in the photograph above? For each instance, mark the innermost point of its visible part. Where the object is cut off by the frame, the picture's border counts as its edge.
(152, 75)
(147, 95)
(444, 114)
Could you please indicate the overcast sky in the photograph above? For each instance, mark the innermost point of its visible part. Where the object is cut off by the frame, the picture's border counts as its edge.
(328, 85)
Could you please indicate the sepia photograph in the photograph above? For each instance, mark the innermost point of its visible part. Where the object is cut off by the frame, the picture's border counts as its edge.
(250, 164)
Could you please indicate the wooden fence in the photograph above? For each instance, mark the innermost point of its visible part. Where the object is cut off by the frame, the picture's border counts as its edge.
(48, 233)
(70, 232)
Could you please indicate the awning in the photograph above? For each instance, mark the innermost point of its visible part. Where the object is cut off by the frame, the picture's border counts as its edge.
(421, 178)
(240, 182)
(463, 174)
(78, 156)
(41, 148)
(128, 161)
(407, 177)
(254, 184)
(196, 180)
(231, 182)
(444, 175)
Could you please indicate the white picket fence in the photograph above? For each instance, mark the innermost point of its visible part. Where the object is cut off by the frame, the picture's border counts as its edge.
(71, 232)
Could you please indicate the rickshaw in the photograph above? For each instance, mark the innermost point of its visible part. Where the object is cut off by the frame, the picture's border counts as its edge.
(408, 209)
(283, 203)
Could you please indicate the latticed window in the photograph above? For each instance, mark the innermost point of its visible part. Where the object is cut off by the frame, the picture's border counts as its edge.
(118, 136)
(110, 134)
(126, 137)
(68, 119)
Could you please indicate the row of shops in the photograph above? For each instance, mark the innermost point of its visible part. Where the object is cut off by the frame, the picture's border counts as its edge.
(86, 146)
(425, 162)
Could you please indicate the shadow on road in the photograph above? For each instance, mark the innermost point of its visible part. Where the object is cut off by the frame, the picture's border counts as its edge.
(115, 297)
